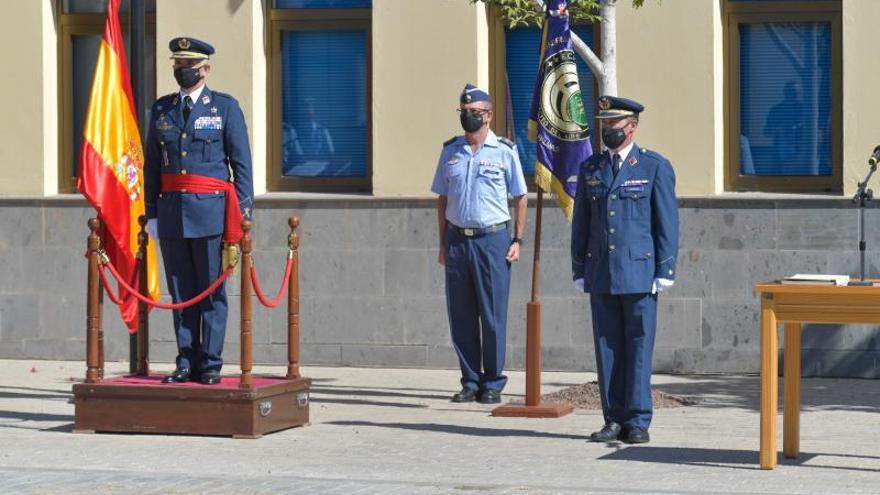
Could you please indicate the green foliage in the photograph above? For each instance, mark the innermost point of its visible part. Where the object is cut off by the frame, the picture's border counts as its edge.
(526, 13)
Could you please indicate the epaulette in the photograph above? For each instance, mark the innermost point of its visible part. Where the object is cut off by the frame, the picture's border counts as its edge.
(223, 95)
(449, 141)
(506, 141)
(652, 154)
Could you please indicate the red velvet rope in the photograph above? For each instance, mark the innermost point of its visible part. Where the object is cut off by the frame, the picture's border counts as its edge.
(262, 297)
(155, 304)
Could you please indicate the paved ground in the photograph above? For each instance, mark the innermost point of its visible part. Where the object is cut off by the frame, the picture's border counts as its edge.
(393, 431)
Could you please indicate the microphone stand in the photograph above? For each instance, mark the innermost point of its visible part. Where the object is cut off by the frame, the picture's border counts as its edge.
(863, 195)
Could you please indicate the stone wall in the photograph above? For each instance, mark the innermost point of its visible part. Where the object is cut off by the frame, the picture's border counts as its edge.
(372, 291)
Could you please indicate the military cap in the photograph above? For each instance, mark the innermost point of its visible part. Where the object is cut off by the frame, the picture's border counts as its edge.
(614, 107)
(473, 94)
(184, 47)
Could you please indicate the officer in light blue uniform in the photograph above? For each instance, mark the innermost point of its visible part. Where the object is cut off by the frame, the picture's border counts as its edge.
(202, 133)
(624, 244)
(475, 175)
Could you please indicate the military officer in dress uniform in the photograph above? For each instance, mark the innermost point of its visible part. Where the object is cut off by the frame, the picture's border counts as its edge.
(197, 163)
(624, 244)
(475, 174)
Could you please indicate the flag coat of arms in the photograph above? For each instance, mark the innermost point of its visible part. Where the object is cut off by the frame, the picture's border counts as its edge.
(558, 120)
(111, 174)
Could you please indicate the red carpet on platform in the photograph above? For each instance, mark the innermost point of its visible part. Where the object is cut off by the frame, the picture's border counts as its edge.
(230, 381)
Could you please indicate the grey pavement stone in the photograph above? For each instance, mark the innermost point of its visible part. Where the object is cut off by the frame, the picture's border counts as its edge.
(19, 316)
(730, 325)
(816, 228)
(414, 228)
(679, 322)
(728, 229)
(381, 431)
(334, 272)
(835, 363)
(23, 227)
(413, 272)
(382, 355)
(423, 319)
(695, 271)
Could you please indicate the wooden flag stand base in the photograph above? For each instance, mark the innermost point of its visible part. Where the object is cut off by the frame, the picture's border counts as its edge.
(533, 408)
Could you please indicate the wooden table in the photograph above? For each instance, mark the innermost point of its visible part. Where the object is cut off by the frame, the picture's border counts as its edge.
(793, 305)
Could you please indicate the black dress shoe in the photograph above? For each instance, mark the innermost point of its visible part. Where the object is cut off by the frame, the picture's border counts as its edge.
(490, 397)
(636, 435)
(210, 378)
(179, 375)
(609, 433)
(466, 395)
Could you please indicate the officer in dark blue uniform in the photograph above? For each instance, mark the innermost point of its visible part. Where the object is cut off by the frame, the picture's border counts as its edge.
(624, 244)
(475, 174)
(202, 133)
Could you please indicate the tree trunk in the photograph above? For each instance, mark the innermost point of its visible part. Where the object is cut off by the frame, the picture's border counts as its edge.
(608, 77)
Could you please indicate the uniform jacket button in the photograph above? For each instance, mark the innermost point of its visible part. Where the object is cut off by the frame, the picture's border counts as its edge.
(611, 247)
(611, 213)
(183, 135)
(183, 153)
(183, 172)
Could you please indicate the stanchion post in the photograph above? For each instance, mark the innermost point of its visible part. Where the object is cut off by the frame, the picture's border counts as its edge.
(293, 302)
(93, 306)
(143, 329)
(247, 350)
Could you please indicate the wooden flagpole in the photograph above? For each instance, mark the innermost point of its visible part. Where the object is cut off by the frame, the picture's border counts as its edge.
(534, 408)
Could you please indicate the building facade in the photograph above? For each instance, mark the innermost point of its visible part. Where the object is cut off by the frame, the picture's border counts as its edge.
(767, 109)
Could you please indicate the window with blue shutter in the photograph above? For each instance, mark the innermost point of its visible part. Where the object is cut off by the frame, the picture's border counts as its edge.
(784, 98)
(321, 101)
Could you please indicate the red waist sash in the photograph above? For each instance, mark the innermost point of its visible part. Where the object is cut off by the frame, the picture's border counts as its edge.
(201, 184)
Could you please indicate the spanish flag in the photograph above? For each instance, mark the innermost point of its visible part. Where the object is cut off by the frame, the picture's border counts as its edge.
(111, 174)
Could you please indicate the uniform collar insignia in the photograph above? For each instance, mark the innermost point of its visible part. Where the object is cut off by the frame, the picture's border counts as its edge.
(176, 101)
(206, 99)
(632, 161)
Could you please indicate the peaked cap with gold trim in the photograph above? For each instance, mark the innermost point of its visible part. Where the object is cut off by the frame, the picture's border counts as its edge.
(184, 47)
(614, 107)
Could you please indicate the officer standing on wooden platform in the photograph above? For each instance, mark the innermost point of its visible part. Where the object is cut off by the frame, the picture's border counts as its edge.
(624, 244)
(197, 171)
(475, 174)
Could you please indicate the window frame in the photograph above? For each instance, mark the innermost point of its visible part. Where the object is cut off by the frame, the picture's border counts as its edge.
(281, 20)
(746, 12)
(498, 78)
(70, 25)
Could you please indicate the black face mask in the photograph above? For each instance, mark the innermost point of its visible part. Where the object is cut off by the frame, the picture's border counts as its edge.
(471, 121)
(613, 138)
(187, 77)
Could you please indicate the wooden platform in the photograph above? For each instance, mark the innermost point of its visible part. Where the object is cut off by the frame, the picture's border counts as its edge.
(145, 405)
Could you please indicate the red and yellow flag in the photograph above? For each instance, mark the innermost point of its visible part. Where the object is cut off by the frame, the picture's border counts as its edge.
(111, 174)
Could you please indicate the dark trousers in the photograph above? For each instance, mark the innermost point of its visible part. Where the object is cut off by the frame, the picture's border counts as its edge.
(477, 289)
(191, 266)
(624, 327)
